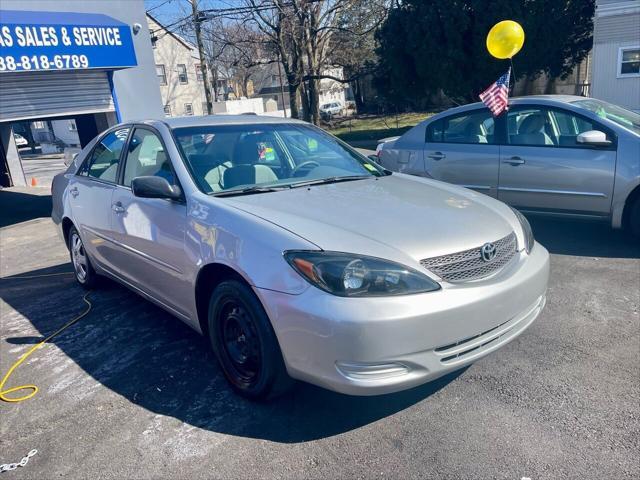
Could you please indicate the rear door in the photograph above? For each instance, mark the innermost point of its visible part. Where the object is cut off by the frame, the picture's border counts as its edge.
(150, 231)
(90, 192)
(543, 168)
(463, 149)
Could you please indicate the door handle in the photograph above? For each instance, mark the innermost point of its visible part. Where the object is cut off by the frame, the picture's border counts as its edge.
(117, 207)
(437, 156)
(74, 192)
(515, 161)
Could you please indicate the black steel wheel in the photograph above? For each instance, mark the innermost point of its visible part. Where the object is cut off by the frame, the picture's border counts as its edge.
(244, 342)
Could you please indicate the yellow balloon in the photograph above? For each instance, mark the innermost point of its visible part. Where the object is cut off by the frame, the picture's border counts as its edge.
(505, 39)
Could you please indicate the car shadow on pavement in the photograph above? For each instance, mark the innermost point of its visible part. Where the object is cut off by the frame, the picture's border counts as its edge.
(583, 238)
(17, 206)
(155, 361)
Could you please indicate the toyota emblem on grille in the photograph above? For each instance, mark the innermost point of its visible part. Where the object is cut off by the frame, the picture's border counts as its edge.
(488, 252)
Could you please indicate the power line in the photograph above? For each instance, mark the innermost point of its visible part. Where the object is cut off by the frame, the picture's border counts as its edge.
(159, 5)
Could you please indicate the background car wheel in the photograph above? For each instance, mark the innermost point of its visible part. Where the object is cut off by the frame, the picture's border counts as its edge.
(83, 270)
(245, 343)
(634, 218)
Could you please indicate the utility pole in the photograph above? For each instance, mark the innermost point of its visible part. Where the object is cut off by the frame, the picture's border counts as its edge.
(203, 64)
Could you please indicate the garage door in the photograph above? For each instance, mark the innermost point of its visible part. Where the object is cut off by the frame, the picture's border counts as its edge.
(28, 95)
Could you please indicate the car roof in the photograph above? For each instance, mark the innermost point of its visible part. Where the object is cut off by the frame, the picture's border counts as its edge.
(525, 100)
(208, 120)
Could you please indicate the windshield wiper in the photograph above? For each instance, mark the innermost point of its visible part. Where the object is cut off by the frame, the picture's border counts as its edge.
(322, 181)
(249, 190)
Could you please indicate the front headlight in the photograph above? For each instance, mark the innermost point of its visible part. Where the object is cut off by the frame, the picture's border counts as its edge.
(350, 275)
(529, 241)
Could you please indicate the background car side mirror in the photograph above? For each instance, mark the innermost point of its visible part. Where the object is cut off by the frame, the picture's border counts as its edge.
(155, 187)
(594, 138)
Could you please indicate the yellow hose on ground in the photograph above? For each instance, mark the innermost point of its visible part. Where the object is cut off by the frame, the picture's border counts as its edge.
(34, 388)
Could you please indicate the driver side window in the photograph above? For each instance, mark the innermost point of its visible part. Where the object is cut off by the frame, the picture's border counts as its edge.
(146, 157)
(547, 127)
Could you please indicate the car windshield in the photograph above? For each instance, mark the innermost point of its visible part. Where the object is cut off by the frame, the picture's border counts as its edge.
(257, 158)
(623, 117)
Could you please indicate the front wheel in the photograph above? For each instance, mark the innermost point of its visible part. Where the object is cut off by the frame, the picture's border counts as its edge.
(244, 342)
(82, 268)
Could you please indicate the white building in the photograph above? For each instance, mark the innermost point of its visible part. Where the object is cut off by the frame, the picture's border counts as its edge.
(178, 72)
(267, 85)
(616, 53)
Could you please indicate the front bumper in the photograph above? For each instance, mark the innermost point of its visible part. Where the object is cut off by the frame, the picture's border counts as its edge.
(371, 346)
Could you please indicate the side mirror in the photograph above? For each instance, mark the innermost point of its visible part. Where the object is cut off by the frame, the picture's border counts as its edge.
(595, 138)
(155, 187)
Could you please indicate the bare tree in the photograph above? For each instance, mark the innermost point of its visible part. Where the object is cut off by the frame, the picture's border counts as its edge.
(303, 32)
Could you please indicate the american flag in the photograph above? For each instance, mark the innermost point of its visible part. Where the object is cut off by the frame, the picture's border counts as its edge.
(496, 97)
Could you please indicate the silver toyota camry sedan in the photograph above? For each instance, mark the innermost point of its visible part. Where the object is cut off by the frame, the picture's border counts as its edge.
(298, 257)
(557, 155)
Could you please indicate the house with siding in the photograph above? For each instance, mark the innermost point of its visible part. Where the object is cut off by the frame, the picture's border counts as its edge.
(178, 71)
(616, 53)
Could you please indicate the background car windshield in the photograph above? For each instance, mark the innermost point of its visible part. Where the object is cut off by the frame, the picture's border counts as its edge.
(623, 117)
(233, 157)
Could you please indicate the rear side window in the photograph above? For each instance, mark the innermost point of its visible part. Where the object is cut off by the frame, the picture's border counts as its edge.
(476, 127)
(102, 164)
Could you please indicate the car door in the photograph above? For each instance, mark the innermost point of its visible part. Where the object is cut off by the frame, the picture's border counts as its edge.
(150, 231)
(90, 192)
(463, 149)
(543, 168)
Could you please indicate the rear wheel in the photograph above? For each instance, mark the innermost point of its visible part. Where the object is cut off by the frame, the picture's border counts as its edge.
(634, 218)
(83, 270)
(244, 342)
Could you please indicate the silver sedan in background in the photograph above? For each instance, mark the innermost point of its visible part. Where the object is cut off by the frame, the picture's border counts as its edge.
(550, 154)
(298, 257)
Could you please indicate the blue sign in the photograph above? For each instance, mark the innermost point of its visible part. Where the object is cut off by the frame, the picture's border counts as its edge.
(36, 41)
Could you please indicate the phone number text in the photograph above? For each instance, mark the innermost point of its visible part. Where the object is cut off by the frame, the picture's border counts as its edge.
(43, 62)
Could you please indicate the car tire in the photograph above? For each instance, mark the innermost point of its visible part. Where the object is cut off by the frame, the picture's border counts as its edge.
(83, 270)
(244, 342)
(634, 218)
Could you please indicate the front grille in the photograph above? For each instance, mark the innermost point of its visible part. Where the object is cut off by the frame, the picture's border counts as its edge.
(469, 264)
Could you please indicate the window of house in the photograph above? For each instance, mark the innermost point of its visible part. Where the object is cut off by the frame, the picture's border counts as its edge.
(629, 62)
(188, 109)
(167, 110)
(204, 108)
(199, 73)
(72, 126)
(154, 39)
(39, 125)
(162, 75)
(182, 73)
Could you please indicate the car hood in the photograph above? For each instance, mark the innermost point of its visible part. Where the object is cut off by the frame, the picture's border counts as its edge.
(396, 217)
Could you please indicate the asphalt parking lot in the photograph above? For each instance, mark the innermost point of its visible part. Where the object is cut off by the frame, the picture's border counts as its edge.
(131, 392)
(41, 167)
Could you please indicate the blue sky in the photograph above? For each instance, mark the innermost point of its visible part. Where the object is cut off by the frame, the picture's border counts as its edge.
(170, 10)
